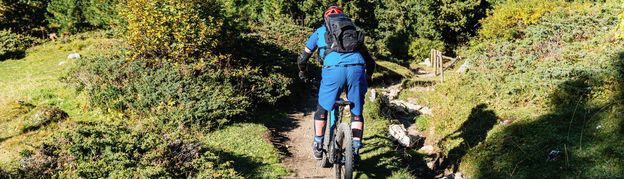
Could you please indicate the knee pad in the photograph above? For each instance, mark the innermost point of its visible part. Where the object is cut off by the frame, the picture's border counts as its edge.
(357, 118)
(320, 114)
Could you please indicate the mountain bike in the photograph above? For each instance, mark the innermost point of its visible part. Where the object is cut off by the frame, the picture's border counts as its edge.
(338, 143)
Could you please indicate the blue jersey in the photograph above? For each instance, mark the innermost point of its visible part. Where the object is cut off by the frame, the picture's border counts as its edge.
(317, 40)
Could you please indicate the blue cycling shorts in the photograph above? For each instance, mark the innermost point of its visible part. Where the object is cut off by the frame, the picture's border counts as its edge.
(336, 79)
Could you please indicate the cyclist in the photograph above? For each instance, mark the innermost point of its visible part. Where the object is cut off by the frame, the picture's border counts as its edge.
(342, 68)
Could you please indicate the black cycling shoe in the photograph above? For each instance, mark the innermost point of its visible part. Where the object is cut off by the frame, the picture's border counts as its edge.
(317, 150)
(356, 160)
(356, 157)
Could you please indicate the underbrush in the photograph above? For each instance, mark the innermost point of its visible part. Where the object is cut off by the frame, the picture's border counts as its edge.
(538, 105)
(13, 46)
(93, 150)
(180, 94)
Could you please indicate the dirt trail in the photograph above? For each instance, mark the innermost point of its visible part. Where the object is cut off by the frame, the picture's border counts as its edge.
(299, 144)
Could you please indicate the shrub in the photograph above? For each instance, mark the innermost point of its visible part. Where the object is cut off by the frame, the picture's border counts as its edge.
(420, 49)
(181, 94)
(113, 151)
(24, 16)
(621, 27)
(79, 15)
(556, 83)
(170, 30)
(508, 19)
(13, 45)
(43, 116)
(66, 15)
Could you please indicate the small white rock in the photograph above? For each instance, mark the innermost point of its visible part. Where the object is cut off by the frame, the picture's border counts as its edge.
(61, 63)
(428, 149)
(427, 62)
(74, 56)
(373, 95)
(464, 67)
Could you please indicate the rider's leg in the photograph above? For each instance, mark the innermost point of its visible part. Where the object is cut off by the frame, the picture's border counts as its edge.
(320, 117)
(357, 88)
(332, 82)
(357, 127)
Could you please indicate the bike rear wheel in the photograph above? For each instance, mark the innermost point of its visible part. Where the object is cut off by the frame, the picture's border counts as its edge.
(325, 163)
(344, 152)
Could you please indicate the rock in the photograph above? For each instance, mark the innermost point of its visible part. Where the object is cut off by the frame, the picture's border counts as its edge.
(553, 155)
(505, 122)
(73, 56)
(44, 116)
(464, 67)
(61, 63)
(373, 95)
(411, 108)
(399, 133)
(428, 149)
(427, 62)
(457, 175)
(393, 91)
(431, 165)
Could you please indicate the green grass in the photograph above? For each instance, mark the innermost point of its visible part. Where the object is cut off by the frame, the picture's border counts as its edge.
(247, 145)
(380, 159)
(35, 80)
(565, 97)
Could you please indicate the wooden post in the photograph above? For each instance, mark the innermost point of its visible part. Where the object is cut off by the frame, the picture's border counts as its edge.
(441, 67)
(433, 62)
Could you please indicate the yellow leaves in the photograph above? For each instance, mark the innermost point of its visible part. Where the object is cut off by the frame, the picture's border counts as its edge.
(621, 26)
(504, 19)
(170, 29)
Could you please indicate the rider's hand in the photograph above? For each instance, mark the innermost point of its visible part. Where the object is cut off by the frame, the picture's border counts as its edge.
(303, 75)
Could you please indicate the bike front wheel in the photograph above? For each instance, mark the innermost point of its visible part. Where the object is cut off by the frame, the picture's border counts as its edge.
(344, 152)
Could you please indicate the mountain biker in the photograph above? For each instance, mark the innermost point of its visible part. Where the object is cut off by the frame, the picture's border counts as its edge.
(344, 69)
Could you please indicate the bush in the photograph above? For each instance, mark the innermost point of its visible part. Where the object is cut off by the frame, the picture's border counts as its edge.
(559, 81)
(79, 15)
(43, 116)
(24, 16)
(113, 151)
(13, 45)
(180, 94)
(508, 19)
(621, 27)
(66, 15)
(420, 49)
(173, 31)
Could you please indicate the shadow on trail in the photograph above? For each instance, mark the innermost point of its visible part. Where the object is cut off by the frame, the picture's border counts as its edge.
(2, 139)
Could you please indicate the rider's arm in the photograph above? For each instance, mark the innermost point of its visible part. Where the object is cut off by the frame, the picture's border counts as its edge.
(305, 55)
(370, 62)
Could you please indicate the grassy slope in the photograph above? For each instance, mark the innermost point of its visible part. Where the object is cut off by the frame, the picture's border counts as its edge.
(246, 144)
(36, 80)
(547, 111)
(380, 157)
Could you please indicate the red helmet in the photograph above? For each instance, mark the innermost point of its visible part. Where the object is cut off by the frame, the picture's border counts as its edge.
(332, 10)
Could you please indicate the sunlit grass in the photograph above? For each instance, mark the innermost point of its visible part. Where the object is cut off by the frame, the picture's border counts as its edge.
(35, 81)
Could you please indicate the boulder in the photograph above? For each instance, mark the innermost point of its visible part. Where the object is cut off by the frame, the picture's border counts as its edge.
(73, 56)
(399, 134)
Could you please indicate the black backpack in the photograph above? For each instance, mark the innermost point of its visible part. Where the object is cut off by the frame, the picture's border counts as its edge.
(342, 35)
